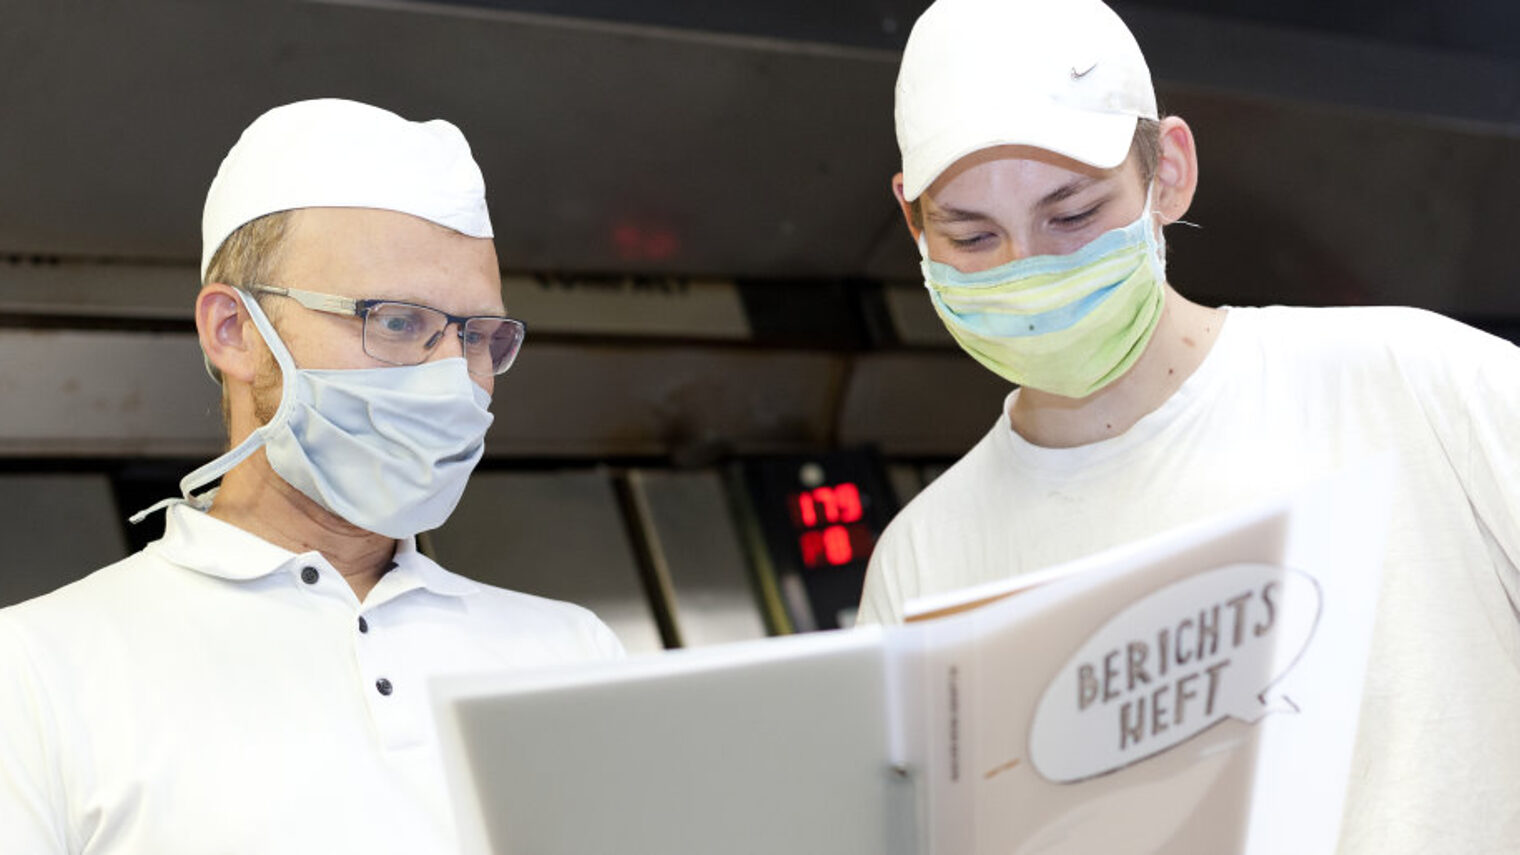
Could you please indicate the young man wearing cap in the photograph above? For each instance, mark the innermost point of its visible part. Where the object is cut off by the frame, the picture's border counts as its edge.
(1037, 175)
(256, 681)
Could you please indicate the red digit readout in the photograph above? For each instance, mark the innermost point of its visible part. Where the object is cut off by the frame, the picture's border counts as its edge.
(834, 507)
(839, 503)
(807, 514)
(836, 545)
(811, 543)
(828, 546)
(847, 497)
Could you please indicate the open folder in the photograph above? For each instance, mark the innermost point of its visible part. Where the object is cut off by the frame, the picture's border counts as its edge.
(1196, 692)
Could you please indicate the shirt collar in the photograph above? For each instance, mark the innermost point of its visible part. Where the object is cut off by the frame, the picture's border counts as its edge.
(198, 541)
(413, 564)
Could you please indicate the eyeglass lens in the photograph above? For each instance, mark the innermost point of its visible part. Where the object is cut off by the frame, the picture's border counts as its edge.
(405, 334)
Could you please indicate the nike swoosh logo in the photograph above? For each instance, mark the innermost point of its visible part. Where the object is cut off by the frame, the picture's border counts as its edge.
(1078, 75)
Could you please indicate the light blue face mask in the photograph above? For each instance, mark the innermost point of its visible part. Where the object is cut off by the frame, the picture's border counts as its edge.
(387, 449)
(1065, 324)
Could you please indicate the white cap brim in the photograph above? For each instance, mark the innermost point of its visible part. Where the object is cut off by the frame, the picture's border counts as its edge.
(1100, 140)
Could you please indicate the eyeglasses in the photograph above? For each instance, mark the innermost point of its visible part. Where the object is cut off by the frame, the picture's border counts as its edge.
(406, 333)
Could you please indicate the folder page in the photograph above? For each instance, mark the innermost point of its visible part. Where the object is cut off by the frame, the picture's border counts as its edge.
(761, 747)
(1193, 693)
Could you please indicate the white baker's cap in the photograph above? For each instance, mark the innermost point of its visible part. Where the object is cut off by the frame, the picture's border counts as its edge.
(331, 153)
(1062, 75)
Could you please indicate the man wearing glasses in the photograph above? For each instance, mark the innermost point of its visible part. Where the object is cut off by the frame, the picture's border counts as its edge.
(256, 681)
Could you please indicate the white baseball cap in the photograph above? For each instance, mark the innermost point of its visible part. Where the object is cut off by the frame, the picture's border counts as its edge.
(1062, 75)
(332, 153)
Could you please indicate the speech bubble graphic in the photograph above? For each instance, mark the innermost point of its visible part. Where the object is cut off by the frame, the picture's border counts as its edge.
(1172, 665)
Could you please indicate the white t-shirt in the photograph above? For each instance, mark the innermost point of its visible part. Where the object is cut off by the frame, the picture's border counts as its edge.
(215, 693)
(1284, 395)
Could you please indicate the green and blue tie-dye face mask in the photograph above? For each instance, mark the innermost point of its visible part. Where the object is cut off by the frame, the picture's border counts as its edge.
(1064, 324)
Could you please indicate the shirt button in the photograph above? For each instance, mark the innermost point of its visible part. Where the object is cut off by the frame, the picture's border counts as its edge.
(363, 624)
(309, 575)
(383, 686)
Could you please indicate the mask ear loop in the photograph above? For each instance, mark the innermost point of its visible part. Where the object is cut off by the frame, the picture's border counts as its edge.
(221, 465)
(1149, 193)
(1160, 233)
(1155, 236)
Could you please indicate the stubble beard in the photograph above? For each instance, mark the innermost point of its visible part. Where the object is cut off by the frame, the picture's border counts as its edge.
(266, 389)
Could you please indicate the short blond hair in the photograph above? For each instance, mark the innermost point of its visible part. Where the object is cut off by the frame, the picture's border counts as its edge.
(249, 256)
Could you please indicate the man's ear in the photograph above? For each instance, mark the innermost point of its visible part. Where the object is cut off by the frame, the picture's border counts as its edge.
(1177, 171)
(226, 333)
(907, 207)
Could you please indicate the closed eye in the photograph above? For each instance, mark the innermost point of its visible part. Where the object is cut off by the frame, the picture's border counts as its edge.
(1077, 219)
(970, 242)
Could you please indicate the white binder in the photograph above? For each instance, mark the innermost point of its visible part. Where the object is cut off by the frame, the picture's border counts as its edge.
(1194, 692)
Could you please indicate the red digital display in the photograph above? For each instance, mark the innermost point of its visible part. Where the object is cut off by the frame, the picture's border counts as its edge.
(829, 518)
(832, 503)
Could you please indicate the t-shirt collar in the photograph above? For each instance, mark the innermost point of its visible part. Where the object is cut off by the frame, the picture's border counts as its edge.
(1089, 459)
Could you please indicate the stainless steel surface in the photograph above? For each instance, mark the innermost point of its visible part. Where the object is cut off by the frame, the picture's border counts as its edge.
(114, 393)
(625, 306)
(73, 288)
(71, 392)
(919, 404)
(907, 481)
(74, 392)
(56, 528)
(1299, 204)
(933, 471)
(913, 316)
(694, 402)
(553, 534)
(713, 596)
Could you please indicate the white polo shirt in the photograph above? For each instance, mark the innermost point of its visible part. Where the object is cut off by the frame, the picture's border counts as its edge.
(215, 693)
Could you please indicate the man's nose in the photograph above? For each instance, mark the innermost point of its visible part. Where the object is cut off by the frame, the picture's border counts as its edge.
(447, 342)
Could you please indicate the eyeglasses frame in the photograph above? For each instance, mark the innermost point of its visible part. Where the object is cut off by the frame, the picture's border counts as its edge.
(335, 304)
